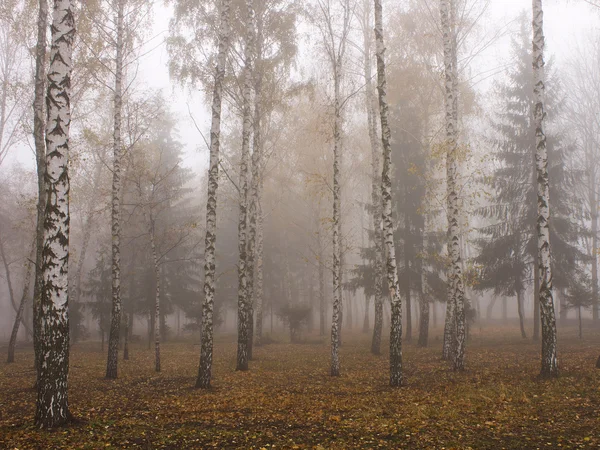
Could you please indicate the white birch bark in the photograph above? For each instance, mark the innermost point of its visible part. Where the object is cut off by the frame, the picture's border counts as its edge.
(386, 195)
(254, 269)
(206, 350)
(244, 293)
(52, 407)
(455, 279)
(258, 272)
(549, 358)
(115, 323)
(337, 248)
(156, 297)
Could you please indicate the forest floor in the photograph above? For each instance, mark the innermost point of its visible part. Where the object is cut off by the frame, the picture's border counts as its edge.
(288, 400)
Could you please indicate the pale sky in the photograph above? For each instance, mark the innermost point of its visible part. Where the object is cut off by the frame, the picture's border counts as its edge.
(566, 21)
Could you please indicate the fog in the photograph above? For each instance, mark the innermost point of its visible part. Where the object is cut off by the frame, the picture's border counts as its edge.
(167, 124)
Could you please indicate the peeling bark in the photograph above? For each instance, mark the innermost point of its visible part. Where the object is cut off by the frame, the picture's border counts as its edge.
(52, 406)
(549, 359)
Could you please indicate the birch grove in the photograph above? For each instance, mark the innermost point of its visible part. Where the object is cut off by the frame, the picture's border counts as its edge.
(283, 190)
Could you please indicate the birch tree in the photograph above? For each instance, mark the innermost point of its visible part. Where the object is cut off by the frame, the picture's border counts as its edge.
(244, 295)
(119, 22)
(52, 407)
(39, 123)
(115, 324)
(456, 291)
(370, 99)
(386, 195)
(206, 350)
(549, 358)
(334, 33)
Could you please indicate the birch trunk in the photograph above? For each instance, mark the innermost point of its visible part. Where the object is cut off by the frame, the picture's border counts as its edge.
(593, 201)
(156, 298)
(423, 300)
(254, 269)
(447, 347)
(126, 339)
(521, 314)
(549, 359)
(386, 194)
(206, 350)
(337, 247)
(258, 273)
(15, 330)
(322, 305)
(407, 255)
(455, 278)
(115, 323)
(52, 407)
(244, 293)
(375, 189)
(39, 124)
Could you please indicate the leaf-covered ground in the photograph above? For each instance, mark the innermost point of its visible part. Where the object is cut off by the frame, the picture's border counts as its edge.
(288, 400)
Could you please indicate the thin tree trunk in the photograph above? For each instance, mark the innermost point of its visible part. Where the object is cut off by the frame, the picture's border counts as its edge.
(490, 308)
(337, 238)
(39, 124)
(423, 300)
(15, 330)
(252, 267)
(52, 406)
(549, 359)
(87, 234)
(580, 326)
(375, 185)
(126, 339)
(244, 293)
(11, 292)
(258, 274)
(156, 299)
(455, 279)
(206, 351)
(322, 306)
(521, 314)
(407, 255)
(115, 323)
(386, 194)
(366, 323)
(594, 209)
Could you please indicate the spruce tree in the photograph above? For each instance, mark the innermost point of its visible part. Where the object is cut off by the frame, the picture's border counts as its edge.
(508, 241)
